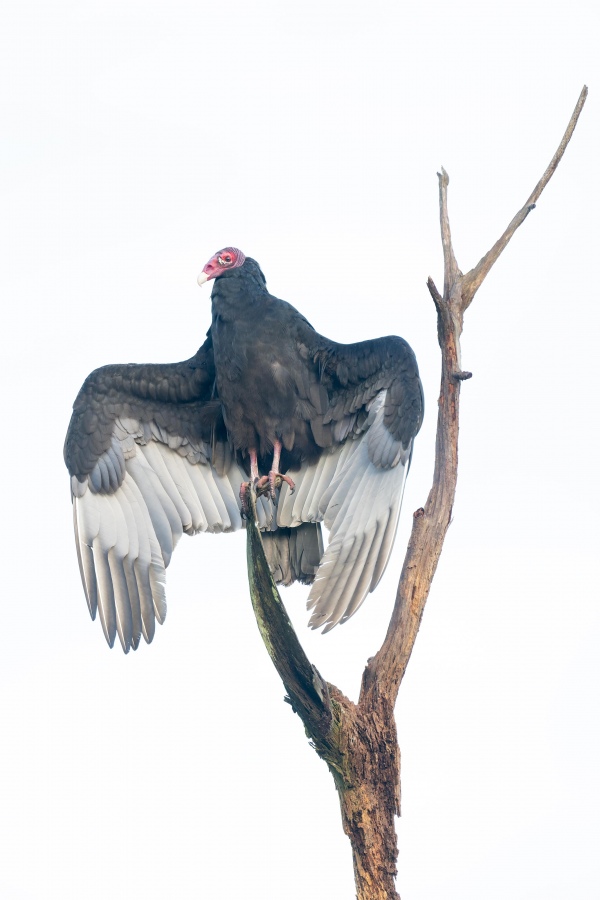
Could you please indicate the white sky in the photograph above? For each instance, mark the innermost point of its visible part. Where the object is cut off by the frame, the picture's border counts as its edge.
(140, 138)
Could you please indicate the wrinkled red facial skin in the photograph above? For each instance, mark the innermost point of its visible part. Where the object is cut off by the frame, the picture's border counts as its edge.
(227, 258)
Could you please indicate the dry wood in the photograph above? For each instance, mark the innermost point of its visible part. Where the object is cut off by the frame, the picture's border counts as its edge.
(358, 741)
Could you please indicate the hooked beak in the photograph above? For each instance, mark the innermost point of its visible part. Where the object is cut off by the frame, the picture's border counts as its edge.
(210, 270)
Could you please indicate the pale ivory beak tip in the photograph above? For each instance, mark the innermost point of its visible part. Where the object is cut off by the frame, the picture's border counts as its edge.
(202, 278)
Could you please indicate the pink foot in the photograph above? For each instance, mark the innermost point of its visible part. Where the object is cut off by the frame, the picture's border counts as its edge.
(273, 476)
(264, 484)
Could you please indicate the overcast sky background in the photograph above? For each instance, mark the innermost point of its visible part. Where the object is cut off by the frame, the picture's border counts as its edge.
(140, 137)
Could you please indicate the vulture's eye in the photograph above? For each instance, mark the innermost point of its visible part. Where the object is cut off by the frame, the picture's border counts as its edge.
(225, 260)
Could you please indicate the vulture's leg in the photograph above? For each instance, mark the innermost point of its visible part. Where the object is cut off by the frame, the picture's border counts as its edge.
(254, 479)
(271, 478)
(265, 483)
(254, 476)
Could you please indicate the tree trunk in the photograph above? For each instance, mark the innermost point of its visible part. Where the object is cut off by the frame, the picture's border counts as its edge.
(368, 784)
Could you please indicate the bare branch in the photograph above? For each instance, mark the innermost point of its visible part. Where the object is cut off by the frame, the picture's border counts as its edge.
(451, 270)
(474, 278)
(535, 194)
(385, 670)
(435, 294)
(308, 692)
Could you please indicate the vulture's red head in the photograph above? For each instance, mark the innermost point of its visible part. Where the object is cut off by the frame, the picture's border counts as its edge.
(228, 258)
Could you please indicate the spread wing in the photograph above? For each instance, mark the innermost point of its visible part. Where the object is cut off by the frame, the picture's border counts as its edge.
(364, 402)
(148, 462)
(149, 459)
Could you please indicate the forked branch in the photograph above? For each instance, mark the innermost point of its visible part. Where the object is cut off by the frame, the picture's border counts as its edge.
(386, 670)
(358, 741)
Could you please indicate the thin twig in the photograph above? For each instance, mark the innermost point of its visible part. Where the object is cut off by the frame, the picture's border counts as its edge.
(473, 279)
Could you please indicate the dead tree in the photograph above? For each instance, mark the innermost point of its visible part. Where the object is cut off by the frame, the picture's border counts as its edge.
(358, 741)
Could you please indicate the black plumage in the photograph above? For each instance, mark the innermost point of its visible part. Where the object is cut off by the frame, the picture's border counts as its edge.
(157, 450)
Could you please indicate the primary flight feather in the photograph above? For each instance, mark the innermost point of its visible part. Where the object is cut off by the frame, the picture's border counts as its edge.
(158, 450)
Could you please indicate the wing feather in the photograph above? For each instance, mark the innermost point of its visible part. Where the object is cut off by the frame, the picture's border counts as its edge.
(124, 619)
(216, 510)
(360, 506)
(165, 464)
(130, 510)
(230, 497)
(359, 586)
(106, 598)
(166, 525)
(85, 558)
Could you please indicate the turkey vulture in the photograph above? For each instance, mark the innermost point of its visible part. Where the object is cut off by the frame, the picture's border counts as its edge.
(157, 450)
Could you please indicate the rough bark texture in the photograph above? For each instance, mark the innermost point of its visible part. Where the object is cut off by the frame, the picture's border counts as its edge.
(358, 741)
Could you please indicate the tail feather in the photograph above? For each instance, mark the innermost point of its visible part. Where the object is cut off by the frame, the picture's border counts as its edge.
(293, 554)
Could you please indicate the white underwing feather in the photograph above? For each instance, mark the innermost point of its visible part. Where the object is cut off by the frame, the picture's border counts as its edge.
(162, 465)
(150, 486)
(128, 514)
(360, 507)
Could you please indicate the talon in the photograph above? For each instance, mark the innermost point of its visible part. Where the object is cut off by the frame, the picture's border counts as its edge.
(272, 480)
(275, 481)
(289, 483)
(265, 484)
(273, 476)
(245, 499)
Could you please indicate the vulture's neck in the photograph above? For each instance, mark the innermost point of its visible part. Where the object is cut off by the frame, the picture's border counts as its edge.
(238, 297)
